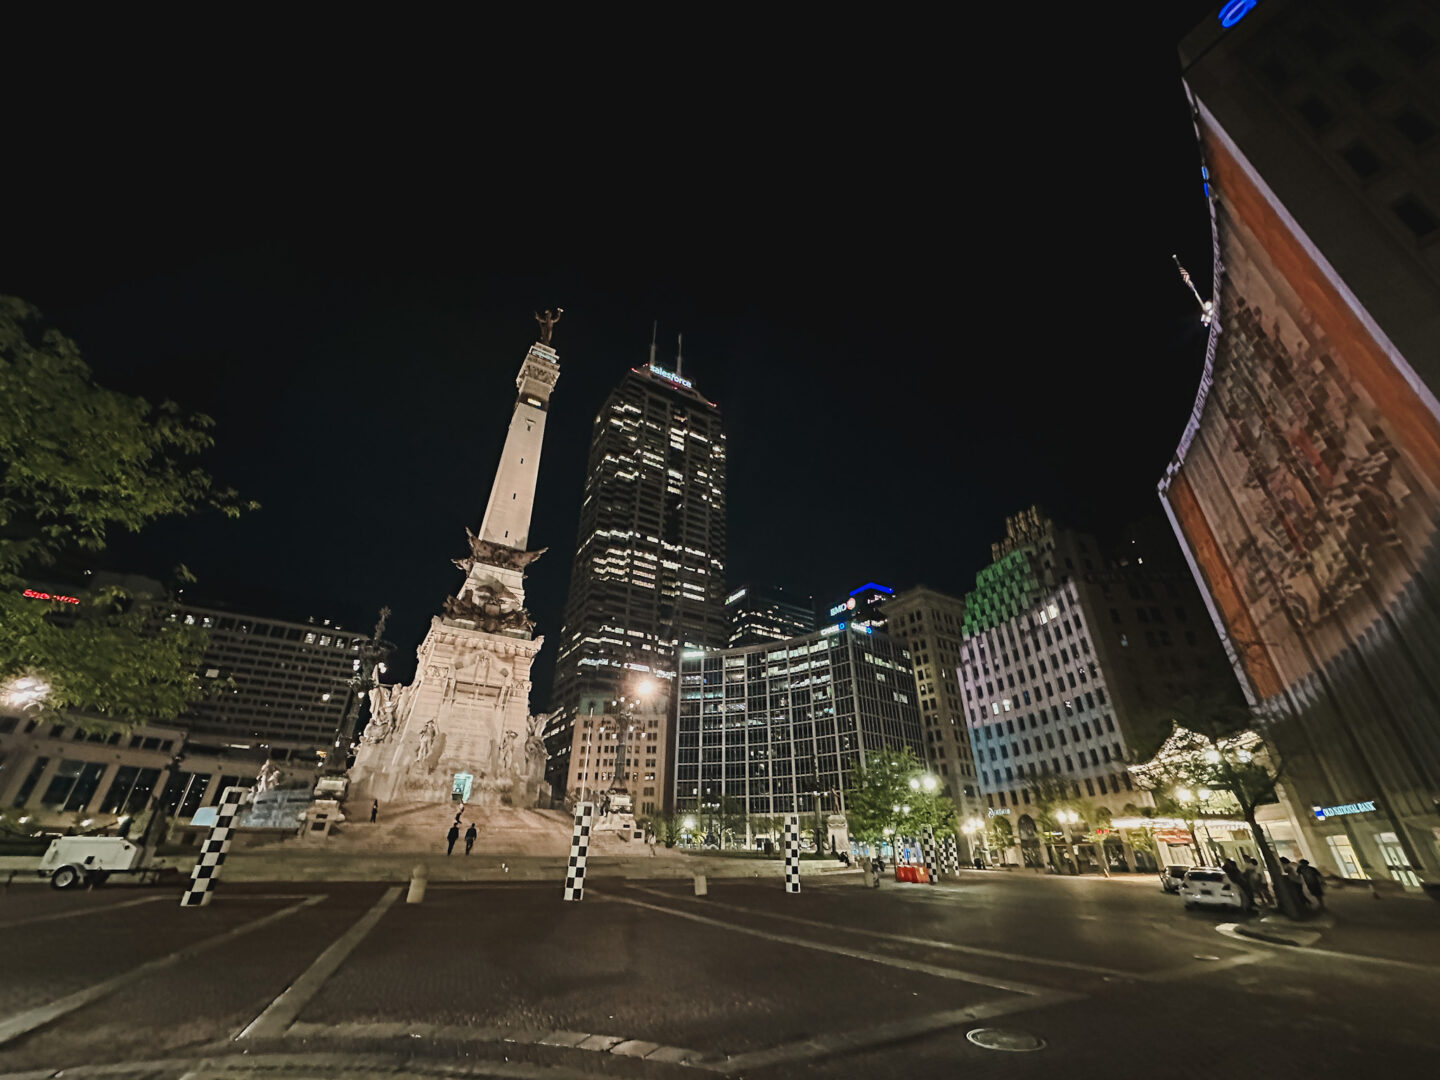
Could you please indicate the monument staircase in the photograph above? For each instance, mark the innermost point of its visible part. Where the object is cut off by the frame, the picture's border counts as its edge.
(419, 828)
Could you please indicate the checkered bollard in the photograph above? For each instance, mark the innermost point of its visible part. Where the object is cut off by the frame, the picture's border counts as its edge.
(212, 852)
(951, 854)
(579, 845)
(927, 852)
(792, 853)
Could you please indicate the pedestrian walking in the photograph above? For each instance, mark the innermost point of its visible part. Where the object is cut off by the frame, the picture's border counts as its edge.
(1255, 874)
(1313, 882)
(451, 837)
(1237, 878)
(470, 835)
(374, 811)
(877, 867)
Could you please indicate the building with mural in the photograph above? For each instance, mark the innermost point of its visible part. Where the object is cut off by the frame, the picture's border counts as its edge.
(1305, 489)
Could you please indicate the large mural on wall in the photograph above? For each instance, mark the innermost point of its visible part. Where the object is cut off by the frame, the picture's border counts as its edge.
(1321, 481)
(1306, 482)
(1306, 492)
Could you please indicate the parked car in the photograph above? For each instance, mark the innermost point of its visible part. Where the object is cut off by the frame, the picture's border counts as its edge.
(1172, 877)
(1208, 886)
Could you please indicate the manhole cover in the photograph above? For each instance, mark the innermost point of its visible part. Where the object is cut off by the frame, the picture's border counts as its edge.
(999, 1039)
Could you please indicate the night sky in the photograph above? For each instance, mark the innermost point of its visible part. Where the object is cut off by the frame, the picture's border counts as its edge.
(927, 279)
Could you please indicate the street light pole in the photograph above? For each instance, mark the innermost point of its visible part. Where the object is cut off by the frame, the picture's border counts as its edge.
(589, 747)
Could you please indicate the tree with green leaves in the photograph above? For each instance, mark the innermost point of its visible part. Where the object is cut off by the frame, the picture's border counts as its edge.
(77, 463)
(1217, 757)
(891, 791)
(730, 821)
(1000, 834)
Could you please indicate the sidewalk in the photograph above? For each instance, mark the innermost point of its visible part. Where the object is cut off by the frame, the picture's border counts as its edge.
(318, 863)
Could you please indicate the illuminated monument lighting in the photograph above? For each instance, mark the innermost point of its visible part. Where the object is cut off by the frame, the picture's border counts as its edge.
(462, 731)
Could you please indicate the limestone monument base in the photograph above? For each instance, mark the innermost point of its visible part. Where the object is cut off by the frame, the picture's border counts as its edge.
(461, 735)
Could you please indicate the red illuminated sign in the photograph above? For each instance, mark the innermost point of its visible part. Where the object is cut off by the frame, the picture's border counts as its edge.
(33, 595)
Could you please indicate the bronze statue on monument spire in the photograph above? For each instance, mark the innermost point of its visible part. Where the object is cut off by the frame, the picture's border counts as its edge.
(547, 323)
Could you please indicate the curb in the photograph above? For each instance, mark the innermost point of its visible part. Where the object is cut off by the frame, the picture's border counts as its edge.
(1274, 939)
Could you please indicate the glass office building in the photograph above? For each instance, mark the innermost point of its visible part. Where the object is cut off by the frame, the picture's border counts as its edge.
(780, 726)
(763, 614)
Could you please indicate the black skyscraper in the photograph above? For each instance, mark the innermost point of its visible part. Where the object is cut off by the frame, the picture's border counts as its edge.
(649, 570)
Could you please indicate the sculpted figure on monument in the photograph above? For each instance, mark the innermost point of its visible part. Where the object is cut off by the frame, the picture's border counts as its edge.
(547, 323)
(535, 757)
(427, 741)
(268, 778)
(382, 714)
(486, 613)
(507, 753)
(492, 554)
(517, 619)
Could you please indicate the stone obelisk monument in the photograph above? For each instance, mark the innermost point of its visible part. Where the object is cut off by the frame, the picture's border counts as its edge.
(462, 731)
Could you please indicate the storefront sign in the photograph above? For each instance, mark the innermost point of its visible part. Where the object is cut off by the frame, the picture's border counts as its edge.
(992, 812)
(34, 594)
(1178, 837)
(1323, 812)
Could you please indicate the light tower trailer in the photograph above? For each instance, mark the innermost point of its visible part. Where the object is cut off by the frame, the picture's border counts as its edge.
(71, 861)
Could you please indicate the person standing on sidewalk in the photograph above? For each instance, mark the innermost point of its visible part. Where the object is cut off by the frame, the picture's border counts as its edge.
(470, 835)
(1313, 882)
(451, 837)
(1255, 874)
(1237, 878)
(374, 811)
(1293, 883)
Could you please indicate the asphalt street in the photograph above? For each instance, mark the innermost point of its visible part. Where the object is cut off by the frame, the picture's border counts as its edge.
(644, 979)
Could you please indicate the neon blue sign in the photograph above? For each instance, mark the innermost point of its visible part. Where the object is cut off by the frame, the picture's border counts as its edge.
(872, 585)
(1232, 11)
(1323, 812)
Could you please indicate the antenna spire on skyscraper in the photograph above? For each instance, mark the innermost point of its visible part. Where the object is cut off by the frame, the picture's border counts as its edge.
(654, 329)
(679, 354)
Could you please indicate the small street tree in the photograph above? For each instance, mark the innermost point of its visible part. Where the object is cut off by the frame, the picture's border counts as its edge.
(1051, 793)
(1000, 834)
(892, 791)
(77, 462)
(730, 820)
(1209, 752)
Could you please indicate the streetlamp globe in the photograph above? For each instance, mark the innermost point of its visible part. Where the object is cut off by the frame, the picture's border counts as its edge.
(688, 824)
(1204, 793)
(1212, 757)
(1184, 794)
(928, 783)
(25, 692)
(914, 784)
